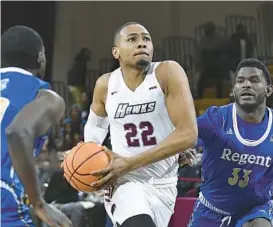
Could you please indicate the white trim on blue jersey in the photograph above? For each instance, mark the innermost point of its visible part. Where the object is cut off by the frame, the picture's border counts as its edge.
(247, 142)
(16, 70)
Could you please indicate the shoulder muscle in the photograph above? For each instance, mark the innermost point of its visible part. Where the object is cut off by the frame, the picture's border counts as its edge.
(100, 94)
(38, 116)
(170, 72)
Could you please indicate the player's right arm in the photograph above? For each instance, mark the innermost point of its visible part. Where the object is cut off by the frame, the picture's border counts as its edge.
(35, 120)
(180, 106)
(96, 127)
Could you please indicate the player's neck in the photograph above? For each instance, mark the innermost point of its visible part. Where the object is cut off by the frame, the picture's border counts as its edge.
(133, 77)
(32, 71)
(255, 116)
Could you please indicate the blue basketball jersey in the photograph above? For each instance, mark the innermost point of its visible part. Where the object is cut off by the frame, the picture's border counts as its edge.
(18, 87)
(237, 165)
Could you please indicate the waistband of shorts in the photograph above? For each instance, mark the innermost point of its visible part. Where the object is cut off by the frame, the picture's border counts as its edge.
(170, 181)
(157, 182)
(8, 187)
(17, 193)
(207, 204)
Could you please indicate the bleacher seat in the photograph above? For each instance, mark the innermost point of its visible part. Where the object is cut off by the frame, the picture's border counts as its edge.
(199, 31)
(209, 92)
(203, 104)
(180, 49)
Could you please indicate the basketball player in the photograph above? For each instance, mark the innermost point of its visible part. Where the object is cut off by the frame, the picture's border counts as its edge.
(237, 160)
(27, 111)
(143, 101)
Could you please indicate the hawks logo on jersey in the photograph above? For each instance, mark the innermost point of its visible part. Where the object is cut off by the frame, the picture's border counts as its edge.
(125, 109)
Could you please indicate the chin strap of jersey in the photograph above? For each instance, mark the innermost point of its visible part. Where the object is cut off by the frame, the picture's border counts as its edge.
(96, 128)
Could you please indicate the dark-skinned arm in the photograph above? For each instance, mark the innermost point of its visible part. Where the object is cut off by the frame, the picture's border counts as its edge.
(34, 120)
(179, 103)
(181, 110)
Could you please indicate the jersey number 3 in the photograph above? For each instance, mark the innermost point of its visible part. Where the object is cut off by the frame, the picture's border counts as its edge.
(4, 104)
(146, 131)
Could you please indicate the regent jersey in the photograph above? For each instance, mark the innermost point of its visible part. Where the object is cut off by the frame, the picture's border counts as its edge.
(18, 88)
(237, 166)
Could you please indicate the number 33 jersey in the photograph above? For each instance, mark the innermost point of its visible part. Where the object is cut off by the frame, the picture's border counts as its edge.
(139, 120)
(237, 166)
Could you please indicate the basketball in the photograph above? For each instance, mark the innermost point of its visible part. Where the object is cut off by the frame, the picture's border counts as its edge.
(80, 162)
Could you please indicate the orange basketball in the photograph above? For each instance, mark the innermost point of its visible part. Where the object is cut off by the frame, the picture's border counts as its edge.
(80, 162)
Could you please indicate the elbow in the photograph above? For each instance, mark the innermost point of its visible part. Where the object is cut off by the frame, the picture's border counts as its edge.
(16, 135)
(12, 132)
(192, 138)
(88, 134)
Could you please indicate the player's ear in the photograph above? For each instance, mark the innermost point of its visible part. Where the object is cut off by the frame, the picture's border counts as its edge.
(41, 60)
(232, 93)
(115, 52)
(269, 91)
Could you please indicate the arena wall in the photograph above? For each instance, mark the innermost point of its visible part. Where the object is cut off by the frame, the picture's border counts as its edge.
(92, 24)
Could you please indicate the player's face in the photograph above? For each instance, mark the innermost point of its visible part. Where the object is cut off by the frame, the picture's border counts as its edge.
(250, 88)
(134, 46)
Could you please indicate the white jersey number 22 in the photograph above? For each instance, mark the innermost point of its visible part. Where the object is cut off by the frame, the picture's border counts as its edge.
(146, 130)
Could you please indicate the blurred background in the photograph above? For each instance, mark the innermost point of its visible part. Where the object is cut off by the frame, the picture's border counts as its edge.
(208, 39)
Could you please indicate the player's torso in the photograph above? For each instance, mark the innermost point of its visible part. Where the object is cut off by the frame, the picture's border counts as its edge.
(139, 120)
(237, 169)
(18, 88)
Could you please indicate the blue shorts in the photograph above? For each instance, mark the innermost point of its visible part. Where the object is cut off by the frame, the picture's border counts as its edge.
(14, 213)
(203, 216)
(264, 211)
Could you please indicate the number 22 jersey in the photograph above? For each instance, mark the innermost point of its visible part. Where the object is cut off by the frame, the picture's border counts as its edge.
(139, 121)
(237, 165)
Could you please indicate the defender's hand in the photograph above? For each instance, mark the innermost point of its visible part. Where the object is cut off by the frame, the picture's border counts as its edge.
(52, 216)
(118, 167)
(187, 157)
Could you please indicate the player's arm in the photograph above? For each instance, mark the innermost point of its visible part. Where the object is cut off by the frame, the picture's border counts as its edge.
(96, 127)
(181, 110)
(34, 120)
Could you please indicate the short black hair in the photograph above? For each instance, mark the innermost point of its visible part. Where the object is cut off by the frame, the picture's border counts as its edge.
(20, 46)
(121, 27)
(255, 63)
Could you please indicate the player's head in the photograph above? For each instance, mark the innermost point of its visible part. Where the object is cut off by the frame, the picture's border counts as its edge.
(133, 45)
(253, 84)
(23, 47)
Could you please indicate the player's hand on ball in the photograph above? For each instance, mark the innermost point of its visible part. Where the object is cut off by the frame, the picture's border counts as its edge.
(187, 157)
(118, 167)
(52, 216)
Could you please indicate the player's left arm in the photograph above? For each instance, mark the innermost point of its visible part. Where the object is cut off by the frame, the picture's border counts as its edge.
(179, 102)
(34, 120)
